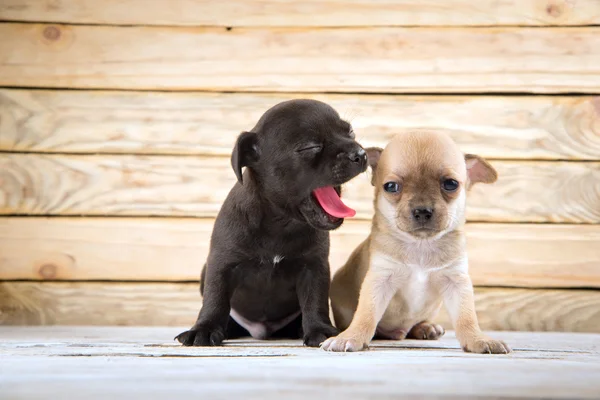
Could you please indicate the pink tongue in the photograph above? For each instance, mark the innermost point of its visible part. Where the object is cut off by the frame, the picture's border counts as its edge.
(331, 202)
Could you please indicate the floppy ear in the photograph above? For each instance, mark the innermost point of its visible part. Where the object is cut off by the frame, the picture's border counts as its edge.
(373, 155)
(479, 170)
(245, 153)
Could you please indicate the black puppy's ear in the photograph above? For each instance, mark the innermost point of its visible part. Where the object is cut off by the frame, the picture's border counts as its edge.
(245, 153)
(373, 155)
(479, 170)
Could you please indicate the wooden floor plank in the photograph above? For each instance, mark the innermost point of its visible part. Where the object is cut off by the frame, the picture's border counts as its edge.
(172, 304)
(390, 60)
(334, 13)
(174, 250)
(101, 362)
(94, 122)
(23, 339)
(33, 184)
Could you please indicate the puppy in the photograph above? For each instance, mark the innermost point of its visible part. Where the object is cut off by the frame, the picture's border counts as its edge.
(267, 272)
(415, 257)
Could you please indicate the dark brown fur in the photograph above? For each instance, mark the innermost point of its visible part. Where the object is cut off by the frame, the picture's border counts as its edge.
(269, 249)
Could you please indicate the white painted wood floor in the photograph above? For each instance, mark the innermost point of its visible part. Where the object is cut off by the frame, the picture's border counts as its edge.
(122, 362)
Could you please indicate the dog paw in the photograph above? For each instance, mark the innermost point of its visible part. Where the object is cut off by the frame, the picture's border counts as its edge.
(487, 346)
(345, 342)
(314, 337)
(426, 331)
(201, 336)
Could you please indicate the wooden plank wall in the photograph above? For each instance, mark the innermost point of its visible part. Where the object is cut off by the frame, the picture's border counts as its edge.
(117, 119)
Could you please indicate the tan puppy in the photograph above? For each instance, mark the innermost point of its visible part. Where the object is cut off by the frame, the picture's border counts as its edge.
(415, 257)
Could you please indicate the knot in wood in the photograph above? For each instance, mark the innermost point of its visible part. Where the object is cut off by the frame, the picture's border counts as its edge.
(52, 33)
(48, 271)
(554, 10)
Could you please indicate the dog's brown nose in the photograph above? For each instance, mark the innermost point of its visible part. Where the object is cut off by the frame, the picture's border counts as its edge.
(422, 214)
(358, 156)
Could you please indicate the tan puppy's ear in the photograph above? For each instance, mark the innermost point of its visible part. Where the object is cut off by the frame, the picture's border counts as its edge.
(373, 155)
(479, 170)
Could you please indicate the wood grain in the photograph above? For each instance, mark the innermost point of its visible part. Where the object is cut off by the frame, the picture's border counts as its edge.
(203, 123)
(334, 13)
(386, 60)
(168, 304)
(33, 184)
(157, 249)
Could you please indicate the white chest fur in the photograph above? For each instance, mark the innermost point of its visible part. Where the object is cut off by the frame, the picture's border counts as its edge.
(415, 285)
(416, 297)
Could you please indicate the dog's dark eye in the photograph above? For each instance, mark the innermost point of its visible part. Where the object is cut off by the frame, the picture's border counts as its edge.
(449, 185)
(351, 133)
(391, 187)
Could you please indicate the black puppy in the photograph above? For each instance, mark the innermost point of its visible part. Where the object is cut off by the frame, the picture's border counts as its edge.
(267, 272)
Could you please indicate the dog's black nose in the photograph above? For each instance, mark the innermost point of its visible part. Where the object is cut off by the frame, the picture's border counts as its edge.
(358, 156)
(422, 214)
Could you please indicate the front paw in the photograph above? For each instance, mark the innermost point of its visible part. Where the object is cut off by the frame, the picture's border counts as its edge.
(202, 336)
(346, 341)
(487, 346)
(426, 331)
(314, 337)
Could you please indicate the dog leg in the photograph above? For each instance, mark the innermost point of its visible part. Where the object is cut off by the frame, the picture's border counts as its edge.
(376, 292)
(209, 329)
(426, 331)
(458, 297)
(313, 296)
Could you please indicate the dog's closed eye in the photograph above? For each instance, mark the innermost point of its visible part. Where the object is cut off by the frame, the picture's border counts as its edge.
(311, 148)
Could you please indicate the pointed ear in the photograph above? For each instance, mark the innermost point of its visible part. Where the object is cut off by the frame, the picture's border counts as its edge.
(245, 153)
(373, 155)
(479, 170)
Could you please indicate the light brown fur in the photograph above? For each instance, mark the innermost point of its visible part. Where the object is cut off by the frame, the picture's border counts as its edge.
(395, 282)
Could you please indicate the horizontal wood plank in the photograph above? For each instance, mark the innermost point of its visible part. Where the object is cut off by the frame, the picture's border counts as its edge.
(169, 304)
(554, 60)
(158, 249)
(203, 123)
(331, 13)
(33, 184)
